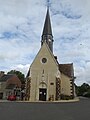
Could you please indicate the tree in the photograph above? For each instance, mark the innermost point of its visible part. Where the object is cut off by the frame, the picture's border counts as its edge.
(83, 89)
(19, 74)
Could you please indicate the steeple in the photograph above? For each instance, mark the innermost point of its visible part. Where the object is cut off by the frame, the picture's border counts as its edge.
(47, 26)
(47, 32)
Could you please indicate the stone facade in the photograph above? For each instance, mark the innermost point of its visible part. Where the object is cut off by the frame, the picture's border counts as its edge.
(43, 75)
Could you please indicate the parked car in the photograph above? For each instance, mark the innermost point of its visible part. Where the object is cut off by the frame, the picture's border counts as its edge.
(11, 97)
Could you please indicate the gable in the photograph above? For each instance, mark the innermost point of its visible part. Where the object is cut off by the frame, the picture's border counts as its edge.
(44, 53)
(11, 79)
(14, 80)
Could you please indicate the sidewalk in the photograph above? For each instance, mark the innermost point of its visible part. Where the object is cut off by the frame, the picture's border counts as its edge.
(59, 101)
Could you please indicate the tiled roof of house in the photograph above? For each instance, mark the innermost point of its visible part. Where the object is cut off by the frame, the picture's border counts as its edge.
(4, 78)
(11, 80)
(67, 69)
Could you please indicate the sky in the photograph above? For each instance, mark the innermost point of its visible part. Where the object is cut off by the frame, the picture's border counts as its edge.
(21, 25)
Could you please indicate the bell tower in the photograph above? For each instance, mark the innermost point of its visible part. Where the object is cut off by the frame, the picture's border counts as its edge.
(47, 32)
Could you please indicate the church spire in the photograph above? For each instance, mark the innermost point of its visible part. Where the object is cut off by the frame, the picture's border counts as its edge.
(47, 25)
(47, 31)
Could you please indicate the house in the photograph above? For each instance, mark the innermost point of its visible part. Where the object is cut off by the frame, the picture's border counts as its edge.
(47, 79)
(8, 84)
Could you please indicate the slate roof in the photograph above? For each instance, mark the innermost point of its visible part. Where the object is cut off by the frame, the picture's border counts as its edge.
(4, 78)
(47, 26)
(67, 69)
(28, 74)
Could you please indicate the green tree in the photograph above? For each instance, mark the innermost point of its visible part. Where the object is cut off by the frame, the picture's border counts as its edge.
(81, 90)
(19, 74)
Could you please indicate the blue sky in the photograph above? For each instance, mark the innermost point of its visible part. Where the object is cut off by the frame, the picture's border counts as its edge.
(21, 25)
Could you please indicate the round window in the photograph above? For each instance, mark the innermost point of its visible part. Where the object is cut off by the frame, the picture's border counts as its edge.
(44, 60)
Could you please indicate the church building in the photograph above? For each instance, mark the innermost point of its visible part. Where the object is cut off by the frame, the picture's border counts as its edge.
(47, 79)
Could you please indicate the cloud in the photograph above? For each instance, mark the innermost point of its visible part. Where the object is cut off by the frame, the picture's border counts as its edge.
(82, 73)
(21, 67)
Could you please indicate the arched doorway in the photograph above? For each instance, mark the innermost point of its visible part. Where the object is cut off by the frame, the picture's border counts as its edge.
(42, 91)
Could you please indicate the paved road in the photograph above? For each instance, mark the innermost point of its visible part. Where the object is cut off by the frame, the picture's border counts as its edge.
(45, 111)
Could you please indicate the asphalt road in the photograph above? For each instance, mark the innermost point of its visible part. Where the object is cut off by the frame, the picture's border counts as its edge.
(45, 111)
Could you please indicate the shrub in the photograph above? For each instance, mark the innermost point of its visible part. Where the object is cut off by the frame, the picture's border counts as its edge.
(66, 97)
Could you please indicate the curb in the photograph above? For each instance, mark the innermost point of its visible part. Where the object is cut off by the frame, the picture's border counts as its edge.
(60, 101)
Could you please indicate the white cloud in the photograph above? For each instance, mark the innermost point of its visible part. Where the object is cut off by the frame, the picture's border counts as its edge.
(82, 73)
(23, 68)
